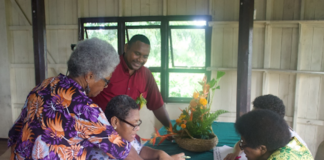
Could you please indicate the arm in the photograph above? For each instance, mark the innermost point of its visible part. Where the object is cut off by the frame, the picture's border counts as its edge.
(155, 101)
(150, 153)
(162, 115)
(133, 155)
(102, 135)
(237, 151)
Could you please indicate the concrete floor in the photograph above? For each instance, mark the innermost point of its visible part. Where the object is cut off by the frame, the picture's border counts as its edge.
(3, 146)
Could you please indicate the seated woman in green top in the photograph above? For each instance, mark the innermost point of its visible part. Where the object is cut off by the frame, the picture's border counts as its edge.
(265, 136)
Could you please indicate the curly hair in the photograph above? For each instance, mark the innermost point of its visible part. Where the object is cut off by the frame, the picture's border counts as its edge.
(138, 37)
(93, 55)
(270, 102)
(263, 127)
(120, 106)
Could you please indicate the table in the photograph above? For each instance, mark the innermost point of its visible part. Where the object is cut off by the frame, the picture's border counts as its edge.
(225, 132)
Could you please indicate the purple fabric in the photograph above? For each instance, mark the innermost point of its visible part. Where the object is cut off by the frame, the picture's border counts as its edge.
(67, 121)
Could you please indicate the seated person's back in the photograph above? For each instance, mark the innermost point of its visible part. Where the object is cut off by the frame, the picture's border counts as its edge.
(272, 103)
(265, 136)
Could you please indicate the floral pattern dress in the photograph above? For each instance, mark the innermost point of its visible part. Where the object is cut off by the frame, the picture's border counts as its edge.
(58, 121)
(97, 154)
(294, 150)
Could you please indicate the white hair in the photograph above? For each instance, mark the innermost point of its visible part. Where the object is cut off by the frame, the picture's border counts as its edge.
(93, 55)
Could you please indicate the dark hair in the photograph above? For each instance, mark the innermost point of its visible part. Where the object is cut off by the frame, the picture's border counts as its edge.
(263, 127)
(270, 102)
(138, 37)
(119, 106)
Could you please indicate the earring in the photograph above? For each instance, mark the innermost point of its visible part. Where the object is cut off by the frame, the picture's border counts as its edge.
(87, 89)
(115, 127)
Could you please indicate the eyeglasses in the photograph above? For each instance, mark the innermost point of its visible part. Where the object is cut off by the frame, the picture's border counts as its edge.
(106, 82)
(242, 146)
(135, 126)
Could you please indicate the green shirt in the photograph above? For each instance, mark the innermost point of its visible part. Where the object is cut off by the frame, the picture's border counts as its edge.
(294, 150)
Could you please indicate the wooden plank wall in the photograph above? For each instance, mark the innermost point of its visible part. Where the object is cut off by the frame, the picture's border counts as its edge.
(5, 94)
(288, 58)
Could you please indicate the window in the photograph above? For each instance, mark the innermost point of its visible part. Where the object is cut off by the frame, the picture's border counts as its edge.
(105, 31)
(180, 48)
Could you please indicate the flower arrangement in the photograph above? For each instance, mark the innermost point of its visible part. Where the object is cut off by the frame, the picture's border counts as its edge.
(196, 120)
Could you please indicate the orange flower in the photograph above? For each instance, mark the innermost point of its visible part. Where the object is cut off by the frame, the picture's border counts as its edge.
(178, 121)
(193, 103)
(195, 95)
(203, 101)
(183, 126)
(206, 88)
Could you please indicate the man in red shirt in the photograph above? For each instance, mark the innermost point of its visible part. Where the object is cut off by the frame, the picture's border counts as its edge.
(132, 78)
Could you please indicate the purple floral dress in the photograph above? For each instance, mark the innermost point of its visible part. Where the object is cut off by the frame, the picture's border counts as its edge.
(58, 121)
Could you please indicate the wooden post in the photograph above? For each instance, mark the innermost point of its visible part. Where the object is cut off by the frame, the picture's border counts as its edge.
(39, 40)
(244, 63)
(121, 35)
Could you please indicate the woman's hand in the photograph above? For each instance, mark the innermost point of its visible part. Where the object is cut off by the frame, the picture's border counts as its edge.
(231, 156)
(179, 156)
(236, 152)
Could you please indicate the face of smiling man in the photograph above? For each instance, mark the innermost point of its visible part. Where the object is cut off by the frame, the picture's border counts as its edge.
(136, 55)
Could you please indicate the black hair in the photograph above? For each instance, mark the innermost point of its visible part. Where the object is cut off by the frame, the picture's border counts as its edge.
(120, 106)
(263, 127)
(138, 37)
(270, 102)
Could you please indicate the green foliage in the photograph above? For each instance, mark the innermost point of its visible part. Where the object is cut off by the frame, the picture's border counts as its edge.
(109, 35)
(200, 127)
(183, 84)
(188, 48)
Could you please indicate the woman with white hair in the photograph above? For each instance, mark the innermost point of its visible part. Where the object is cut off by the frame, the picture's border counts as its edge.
(59, 120)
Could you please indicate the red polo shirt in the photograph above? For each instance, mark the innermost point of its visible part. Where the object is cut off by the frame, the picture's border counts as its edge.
(121, 83)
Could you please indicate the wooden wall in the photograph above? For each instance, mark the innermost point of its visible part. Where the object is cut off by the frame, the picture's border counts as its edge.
(288, 58)
(5, 94)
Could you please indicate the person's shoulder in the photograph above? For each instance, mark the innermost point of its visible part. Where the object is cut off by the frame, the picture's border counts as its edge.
(145, 71)
(294, 150)
(295, 134)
